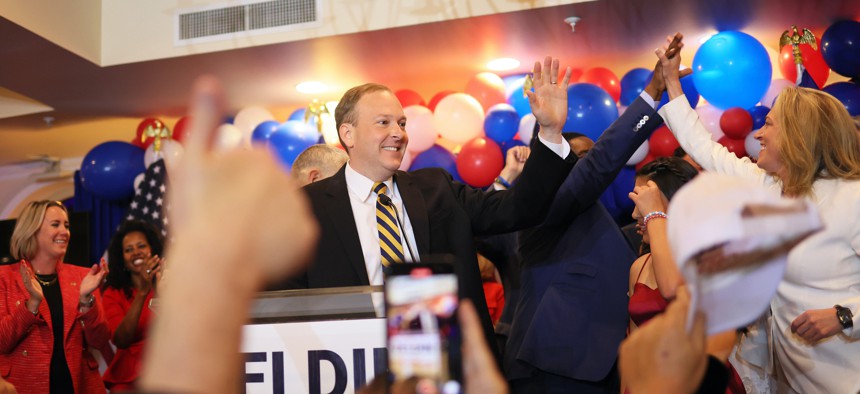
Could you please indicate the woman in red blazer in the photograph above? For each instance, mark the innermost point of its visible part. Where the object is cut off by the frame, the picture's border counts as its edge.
(50, 312)
(134, 262)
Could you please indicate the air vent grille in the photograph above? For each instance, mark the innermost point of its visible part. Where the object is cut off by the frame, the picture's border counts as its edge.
(227, 21)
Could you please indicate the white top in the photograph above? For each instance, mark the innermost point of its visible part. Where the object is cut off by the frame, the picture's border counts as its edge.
(822, 271)
(363, 202)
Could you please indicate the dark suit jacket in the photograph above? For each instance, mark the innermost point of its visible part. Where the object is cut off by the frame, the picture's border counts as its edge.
(445, 215)
(572, 312)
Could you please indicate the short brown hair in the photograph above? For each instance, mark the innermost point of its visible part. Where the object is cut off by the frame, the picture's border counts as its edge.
(345, 111)
(23, 244)
(818, 139)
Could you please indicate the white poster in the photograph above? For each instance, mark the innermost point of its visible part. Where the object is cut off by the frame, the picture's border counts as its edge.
(313, 357)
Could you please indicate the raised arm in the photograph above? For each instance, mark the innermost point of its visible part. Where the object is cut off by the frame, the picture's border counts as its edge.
(692, 134)
(648, 199)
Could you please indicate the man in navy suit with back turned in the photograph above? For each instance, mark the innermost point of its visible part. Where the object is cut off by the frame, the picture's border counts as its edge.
(572, 311)
(438, 215)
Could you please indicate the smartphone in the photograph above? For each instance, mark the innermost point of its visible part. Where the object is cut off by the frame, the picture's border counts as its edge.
(423, 332)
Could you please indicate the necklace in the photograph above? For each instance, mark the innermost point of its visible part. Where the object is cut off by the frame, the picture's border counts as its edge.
(48, 281)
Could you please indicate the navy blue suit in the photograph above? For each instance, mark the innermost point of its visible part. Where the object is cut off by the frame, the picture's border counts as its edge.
(572, 312)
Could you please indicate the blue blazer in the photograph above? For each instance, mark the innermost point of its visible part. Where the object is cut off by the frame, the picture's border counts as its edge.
(572, 312)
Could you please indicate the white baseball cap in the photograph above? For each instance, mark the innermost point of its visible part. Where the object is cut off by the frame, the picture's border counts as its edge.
(730, 238)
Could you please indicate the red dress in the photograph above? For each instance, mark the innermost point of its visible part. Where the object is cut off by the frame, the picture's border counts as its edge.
(125, 367)
(645, 303)
(495, 295)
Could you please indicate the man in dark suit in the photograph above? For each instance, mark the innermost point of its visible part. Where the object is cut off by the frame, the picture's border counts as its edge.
(438, 216)
(572, 311)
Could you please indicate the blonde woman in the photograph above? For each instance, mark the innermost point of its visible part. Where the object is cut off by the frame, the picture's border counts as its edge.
(49, 311)
(809, 149)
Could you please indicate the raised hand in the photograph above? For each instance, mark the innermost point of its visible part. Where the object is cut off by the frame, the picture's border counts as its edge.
(648, 198)
(549, 99)
(669, 63)
(514, 163)
(32, 286)
(93, 280)
(673, 48)
(151, 270)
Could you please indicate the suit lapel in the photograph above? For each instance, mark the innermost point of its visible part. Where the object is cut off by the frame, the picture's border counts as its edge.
(415, 207)
(340, 213)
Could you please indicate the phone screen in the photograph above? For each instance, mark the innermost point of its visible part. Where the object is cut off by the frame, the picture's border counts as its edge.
(421, 311)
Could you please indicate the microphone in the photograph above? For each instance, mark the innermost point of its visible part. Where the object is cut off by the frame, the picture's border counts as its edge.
(385, 200)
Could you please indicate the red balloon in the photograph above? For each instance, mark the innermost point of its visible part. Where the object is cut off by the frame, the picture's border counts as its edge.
(648, 158)
(605, 78)
(437, 98)
(735, 146)
(148, 122)
(575, 75)
(480, 161)
(409, 97)
(136, 142)
(180, 129)
(662, 143)
(812, 60)
(736, 123)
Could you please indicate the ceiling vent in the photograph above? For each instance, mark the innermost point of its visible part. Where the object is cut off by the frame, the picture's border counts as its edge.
(215, 23)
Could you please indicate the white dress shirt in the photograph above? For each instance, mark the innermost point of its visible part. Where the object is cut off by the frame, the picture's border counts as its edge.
(363, 203)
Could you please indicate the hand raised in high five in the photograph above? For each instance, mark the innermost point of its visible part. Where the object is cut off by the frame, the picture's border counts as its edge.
(669, 56)
(672, 49)
(549, 99)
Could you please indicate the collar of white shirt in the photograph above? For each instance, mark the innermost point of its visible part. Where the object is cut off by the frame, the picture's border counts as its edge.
(361, 186)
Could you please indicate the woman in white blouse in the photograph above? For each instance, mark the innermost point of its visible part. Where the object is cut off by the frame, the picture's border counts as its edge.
(809, 149)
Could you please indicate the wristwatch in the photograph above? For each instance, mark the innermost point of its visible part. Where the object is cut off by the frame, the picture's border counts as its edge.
(846, 318)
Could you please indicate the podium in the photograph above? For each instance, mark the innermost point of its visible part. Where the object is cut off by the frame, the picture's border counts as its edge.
(314, 341)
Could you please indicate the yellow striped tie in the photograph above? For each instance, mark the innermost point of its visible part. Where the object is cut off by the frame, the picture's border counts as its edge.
(389, 235)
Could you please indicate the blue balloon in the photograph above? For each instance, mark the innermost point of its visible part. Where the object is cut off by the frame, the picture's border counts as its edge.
(501, 125)
(689, 88)
(436, 156)
(633, 83)
(109, 169)
(732, 69)
(518, 100)
(290, 139)
(848, 93)
(228, 120)
(590, 110)
(507, 145)
(840, 47)
(263, 131)
(759, 112)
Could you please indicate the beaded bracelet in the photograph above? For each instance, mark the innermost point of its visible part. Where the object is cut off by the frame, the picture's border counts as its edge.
(652, 215)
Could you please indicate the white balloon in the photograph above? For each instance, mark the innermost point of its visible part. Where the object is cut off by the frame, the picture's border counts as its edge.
(776, 87)
(501, 107)
(227, 137)
(752, 145)
(710, 117)
(621, 109)
(248, 119)
(639, 155)
(329, 128)
(171, 151)
(138, 179)
(527, 128)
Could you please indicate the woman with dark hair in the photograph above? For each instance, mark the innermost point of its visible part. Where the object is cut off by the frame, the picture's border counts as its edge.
(134, 264)
(654, 276)
(50, 312)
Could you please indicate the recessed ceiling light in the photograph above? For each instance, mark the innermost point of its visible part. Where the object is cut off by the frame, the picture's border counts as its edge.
(503, 64)
(311, 87)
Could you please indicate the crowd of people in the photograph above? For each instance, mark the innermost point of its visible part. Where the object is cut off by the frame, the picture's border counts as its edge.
(583, 311)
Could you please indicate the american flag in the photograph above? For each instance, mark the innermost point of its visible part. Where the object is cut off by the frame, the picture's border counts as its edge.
(149, 204)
